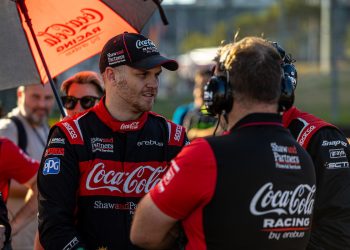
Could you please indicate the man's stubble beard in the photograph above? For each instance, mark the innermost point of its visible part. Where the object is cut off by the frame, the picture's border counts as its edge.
(35, 120)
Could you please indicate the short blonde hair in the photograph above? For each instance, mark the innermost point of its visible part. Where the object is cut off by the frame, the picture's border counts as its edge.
(84, 77)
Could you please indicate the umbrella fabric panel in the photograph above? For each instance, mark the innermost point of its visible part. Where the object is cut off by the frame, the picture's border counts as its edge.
(17, 66)
(136, 12)
(71, 31)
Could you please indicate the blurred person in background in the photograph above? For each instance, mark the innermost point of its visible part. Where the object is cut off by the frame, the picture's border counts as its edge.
(27, 126)
(330, 152)
(252, 188)
(16, 165)
(81, 92)
(197, 121)
(193, 116)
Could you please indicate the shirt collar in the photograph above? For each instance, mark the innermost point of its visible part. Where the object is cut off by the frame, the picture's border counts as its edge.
(120, 126)
(259, 119)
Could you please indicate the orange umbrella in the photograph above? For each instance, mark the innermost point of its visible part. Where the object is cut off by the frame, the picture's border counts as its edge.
(42, 38)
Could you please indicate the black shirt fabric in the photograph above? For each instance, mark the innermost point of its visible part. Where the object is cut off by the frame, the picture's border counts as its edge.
(330, 152)
(265, 188)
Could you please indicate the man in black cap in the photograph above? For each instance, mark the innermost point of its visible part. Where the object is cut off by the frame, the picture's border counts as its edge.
(100, 163)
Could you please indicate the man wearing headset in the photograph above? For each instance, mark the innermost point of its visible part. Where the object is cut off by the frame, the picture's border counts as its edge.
(252, 188)
(330, 152)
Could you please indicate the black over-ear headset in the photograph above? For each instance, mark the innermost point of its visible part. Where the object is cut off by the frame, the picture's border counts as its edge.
(288, 81)
(218, 96)
(218, 92)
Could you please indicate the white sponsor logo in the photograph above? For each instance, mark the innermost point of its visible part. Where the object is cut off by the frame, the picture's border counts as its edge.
(130, 126)
(285, 156)
(144, 43)
(337, 165)
(178, 132)
(70, 130)
(124, 182)
(150, 143)
(131, 206)
(337, 153)
(297, 201)
(102, 144)
(286, 222)
(305, 134)
(52, 166)
(56, 141)
(283, 149)
(333, 143)
(71, 244)
(208, 95)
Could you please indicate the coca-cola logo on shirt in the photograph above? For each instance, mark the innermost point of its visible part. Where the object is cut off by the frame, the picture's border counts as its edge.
(138, 180)
(297, 201)
(129, 126)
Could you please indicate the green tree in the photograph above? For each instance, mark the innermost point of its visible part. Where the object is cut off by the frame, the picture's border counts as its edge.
(198, 40)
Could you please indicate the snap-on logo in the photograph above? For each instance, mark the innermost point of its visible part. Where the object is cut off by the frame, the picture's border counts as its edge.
(70, 130)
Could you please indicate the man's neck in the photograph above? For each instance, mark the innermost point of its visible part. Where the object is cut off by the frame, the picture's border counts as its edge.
(120, 111)
(239, 111)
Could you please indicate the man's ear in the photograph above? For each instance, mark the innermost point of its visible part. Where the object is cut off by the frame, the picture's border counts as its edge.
(20, 92)
(110, 75)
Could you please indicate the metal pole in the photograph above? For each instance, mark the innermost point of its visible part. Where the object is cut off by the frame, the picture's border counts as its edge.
(334, 74)
(325, 36)
(24, 10)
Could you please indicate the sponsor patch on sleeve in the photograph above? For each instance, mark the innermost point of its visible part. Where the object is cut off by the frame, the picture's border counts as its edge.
(176, 134)
(54, 151)
(56, 140)
(52, 166)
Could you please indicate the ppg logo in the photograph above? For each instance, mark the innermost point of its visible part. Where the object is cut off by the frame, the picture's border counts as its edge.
(52, 166)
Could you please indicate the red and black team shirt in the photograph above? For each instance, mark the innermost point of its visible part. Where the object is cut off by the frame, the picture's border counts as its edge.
(95, 170)
(251, 189)
(330, 152)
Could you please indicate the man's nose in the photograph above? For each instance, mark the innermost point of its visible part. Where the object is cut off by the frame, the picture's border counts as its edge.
(153, 82)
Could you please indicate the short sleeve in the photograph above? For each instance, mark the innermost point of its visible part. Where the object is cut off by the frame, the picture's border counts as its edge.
(16, 164)
(189, 182)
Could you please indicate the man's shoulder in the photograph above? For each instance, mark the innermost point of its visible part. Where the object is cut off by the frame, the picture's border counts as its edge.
(6, 123)
(8, 129)
(329, 136)
(70, 126)
(176, 133)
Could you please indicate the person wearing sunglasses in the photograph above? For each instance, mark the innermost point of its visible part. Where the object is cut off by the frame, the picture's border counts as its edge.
(82, 91)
